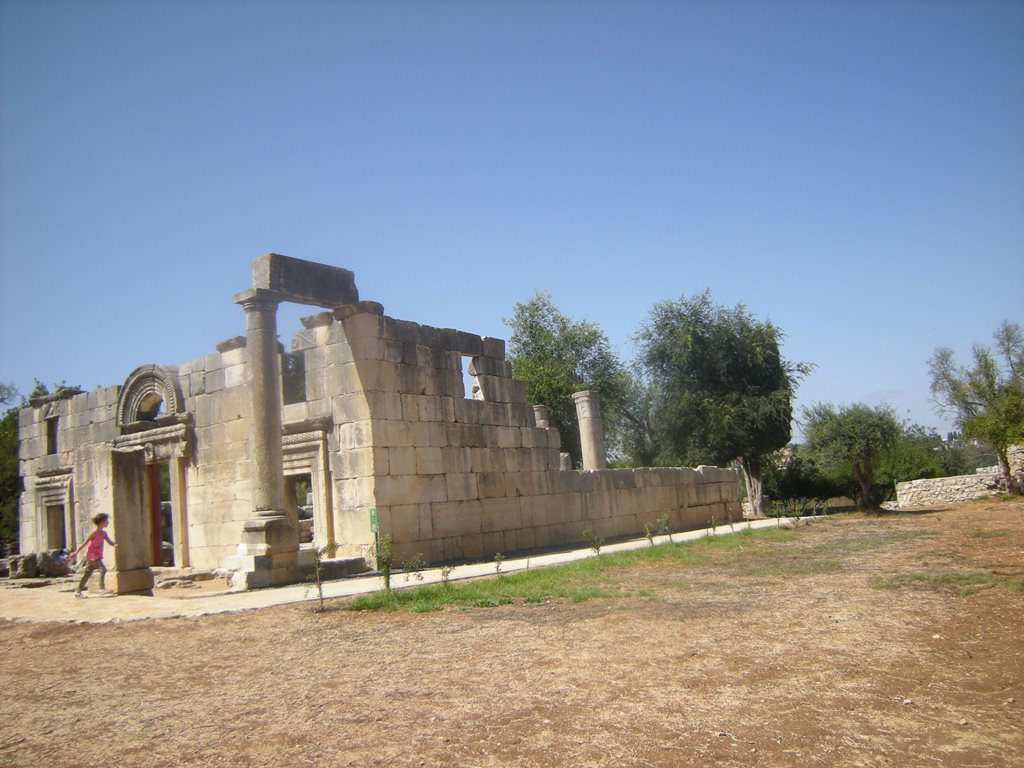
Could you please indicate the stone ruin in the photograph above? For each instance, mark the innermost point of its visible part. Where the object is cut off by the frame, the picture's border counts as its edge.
(366, 418)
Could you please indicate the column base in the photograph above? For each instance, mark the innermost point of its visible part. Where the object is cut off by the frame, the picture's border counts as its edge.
(268, 554)
(130, 582)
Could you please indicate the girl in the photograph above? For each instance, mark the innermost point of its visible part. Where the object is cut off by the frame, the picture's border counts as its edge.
(94, 554)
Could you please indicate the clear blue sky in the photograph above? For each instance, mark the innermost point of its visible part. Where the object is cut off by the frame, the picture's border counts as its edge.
(853, 171)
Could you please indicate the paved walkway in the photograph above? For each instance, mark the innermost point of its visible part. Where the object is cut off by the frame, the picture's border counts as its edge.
(58, 603)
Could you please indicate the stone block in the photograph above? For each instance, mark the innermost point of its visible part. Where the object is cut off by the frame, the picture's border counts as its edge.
(401, 330)
(130, 582)
(394, 490)
(501, 514)
(358, 492)
(564, 482)
(492, 347)
(394, 351)
(508, 437)
(459, 518)
(358, 434)
(428, 408)
(493, 413)
(462, 486)
(429, 461)
(437, 435)
(215, 380)
(493, 543)
(402, 460)
(511, 459)
(481, 460)
(456, 459)
(405, 522)
(467, 411)
(339, 379)
(473, 545)
(491, 484)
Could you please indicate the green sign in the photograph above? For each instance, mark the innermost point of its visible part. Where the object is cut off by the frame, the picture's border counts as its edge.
(373, 519)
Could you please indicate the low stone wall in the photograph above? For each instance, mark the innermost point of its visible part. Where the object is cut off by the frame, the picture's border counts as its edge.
(948, 490)
(555, 507)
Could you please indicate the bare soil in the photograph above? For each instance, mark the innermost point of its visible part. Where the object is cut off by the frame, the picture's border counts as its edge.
(891, 640)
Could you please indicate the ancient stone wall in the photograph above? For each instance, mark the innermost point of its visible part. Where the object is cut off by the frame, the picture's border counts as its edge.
(382, 422)
(56, 466)
(456, 474)
(949, 490)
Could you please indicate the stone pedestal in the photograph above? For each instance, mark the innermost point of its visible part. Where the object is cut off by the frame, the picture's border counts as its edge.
(268, 553)
(540, 416)
(588, 412)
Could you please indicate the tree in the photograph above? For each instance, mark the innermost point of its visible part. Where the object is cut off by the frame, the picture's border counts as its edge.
(919, 453)
(800, 477)
(10, 481)
(853, 435)
(720, 389)
(554, 356)
(987, 399)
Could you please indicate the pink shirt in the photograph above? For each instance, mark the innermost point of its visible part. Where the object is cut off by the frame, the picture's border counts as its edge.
(95, 549)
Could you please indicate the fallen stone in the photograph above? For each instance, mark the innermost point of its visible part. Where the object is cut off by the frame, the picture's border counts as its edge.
(24, 566)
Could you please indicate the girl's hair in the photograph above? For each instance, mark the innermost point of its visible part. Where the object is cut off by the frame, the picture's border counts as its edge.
(101, 517)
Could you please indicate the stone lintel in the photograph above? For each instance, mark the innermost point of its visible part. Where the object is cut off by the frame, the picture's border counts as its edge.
(304, 282)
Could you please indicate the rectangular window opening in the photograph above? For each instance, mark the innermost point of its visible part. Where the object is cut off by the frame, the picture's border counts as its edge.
(293, 377)
(470, 386)
(52, 430)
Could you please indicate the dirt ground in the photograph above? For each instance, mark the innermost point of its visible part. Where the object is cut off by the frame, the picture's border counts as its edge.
(892, 640)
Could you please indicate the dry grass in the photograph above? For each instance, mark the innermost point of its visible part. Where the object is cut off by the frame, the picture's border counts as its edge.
(781, 651)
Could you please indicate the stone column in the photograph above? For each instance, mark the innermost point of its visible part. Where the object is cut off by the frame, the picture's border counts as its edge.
(179, 514)
(265, 404)
(269, 550)
(588, 412)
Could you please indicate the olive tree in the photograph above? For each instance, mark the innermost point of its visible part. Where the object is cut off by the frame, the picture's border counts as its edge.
(555, 356)
(987, 398)
(719, 387)
(854, 435)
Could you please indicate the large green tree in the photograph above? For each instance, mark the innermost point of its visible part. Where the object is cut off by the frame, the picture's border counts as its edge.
(987, 398)
(854, 436)
(719, 387)
(10, 481)
(554, 356)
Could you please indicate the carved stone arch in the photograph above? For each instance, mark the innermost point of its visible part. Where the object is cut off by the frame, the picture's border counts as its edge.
(144, 389)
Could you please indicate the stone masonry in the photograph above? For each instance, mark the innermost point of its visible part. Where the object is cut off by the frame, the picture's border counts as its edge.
(384, 430)
(983, 483)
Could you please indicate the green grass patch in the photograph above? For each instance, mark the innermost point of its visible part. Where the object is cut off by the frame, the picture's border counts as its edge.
(576, 581)
(964, 582)
(989, 534)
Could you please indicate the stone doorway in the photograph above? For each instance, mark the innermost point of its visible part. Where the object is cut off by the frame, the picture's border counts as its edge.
(160, 522)
(56, 527)
(298, 494)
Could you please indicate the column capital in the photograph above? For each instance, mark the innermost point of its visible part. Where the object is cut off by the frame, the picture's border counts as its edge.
(254, 299)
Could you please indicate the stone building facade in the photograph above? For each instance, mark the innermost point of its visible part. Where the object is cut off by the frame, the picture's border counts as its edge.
(371, 417)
